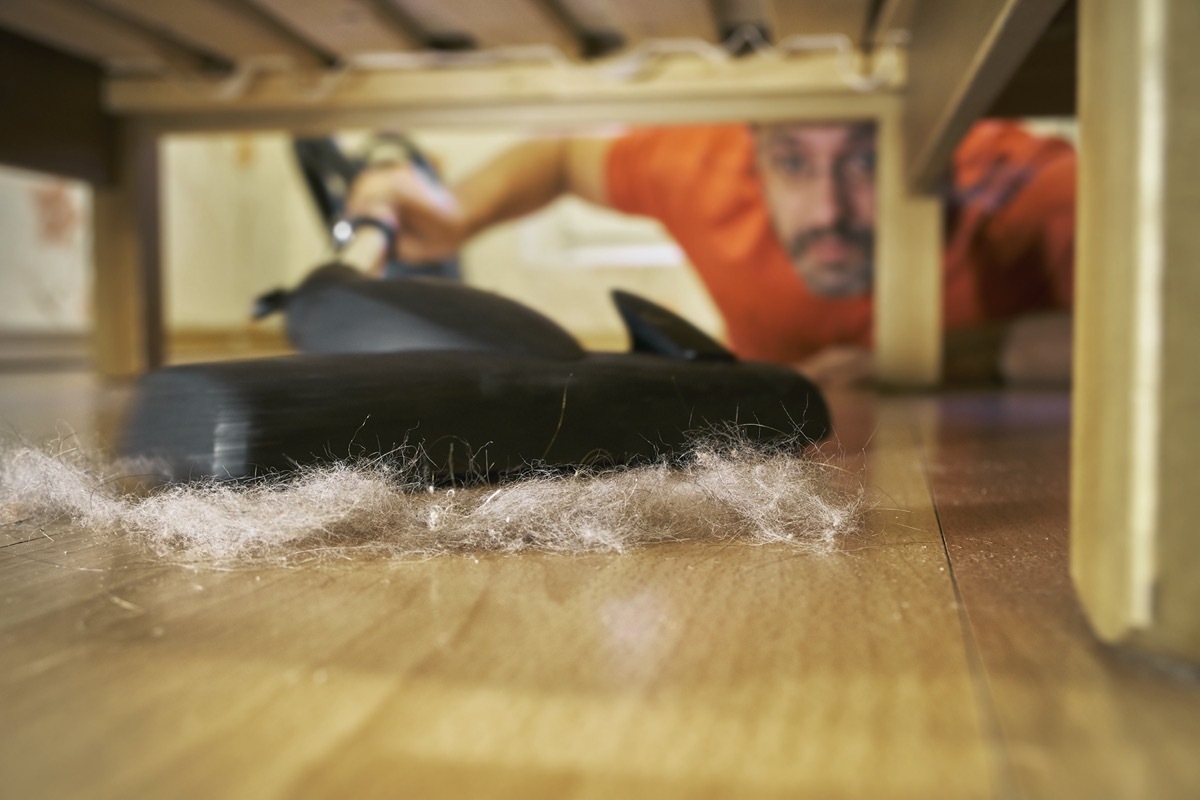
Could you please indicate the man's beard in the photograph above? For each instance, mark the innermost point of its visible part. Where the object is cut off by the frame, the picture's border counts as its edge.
(858, 243)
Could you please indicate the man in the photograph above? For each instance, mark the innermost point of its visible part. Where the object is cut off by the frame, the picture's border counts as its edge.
(778, 220)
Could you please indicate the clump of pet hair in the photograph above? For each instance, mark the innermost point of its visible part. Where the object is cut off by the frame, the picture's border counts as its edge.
(726, 489)
(41, 484)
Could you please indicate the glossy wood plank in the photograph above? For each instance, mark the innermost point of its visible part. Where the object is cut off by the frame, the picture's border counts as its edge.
(1077, 719)
(704, 670)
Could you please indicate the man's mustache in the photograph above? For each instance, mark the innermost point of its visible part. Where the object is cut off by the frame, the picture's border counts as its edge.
(852, 237)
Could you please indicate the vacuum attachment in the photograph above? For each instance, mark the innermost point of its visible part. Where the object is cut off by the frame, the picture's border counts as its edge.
(484, 387)
(337, 309)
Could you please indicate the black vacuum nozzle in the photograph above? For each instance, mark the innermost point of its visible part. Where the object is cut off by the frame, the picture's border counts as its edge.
(481, 385)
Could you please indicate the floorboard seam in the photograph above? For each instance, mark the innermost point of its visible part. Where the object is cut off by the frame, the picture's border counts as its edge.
(31, 538)
(1004, 782)
(14, 544)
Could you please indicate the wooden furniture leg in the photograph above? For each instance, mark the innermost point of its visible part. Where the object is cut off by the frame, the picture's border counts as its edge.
(908, 270)
(1136, 416)
(127, 291)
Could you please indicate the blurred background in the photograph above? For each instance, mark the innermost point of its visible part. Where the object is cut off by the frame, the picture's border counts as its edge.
(239, 220)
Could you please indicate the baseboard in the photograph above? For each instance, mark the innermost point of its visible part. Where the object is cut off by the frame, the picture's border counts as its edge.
(186, 345)
(27, 351)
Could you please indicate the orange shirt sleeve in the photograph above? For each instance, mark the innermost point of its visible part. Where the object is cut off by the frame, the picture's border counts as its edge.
(630, 159)
(1045, 212)
(648, 172)
(1015, 231)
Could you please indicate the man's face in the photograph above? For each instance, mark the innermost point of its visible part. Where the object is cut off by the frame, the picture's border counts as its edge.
(820, 186)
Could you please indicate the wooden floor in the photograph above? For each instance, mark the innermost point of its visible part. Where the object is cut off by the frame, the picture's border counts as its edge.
(942, 655)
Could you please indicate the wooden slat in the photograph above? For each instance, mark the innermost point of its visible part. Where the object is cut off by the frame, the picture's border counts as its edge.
(221, 27)
(664, 19)
(491, 23)
(344, 27)
(1136, 557)
(691, 88)
(705, 670)
(1074, 719)
(528, 116)
(816, 18)
(86, 32)
(960, 58)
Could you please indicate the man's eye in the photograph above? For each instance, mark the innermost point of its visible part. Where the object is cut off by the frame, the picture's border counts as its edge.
(790, 163)
(860, 164)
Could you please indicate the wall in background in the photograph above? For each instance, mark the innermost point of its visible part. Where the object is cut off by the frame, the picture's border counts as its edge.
(45, 254)
(237, 221)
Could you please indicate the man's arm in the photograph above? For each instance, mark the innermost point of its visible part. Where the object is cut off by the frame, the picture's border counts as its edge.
(434, 223)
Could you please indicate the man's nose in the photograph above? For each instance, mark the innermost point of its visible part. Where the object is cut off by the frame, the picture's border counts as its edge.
(827, 200)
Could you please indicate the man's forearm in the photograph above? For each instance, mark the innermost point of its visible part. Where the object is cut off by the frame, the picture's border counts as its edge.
(530, 176)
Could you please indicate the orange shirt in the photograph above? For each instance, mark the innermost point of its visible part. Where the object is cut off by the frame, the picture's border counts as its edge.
(1010, 240)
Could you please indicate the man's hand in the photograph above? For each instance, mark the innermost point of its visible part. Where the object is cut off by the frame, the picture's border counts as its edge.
(839, 366)
(432, 222)
(428, 218)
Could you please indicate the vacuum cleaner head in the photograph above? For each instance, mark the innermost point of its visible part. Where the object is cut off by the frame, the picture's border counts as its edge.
(479, 385)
